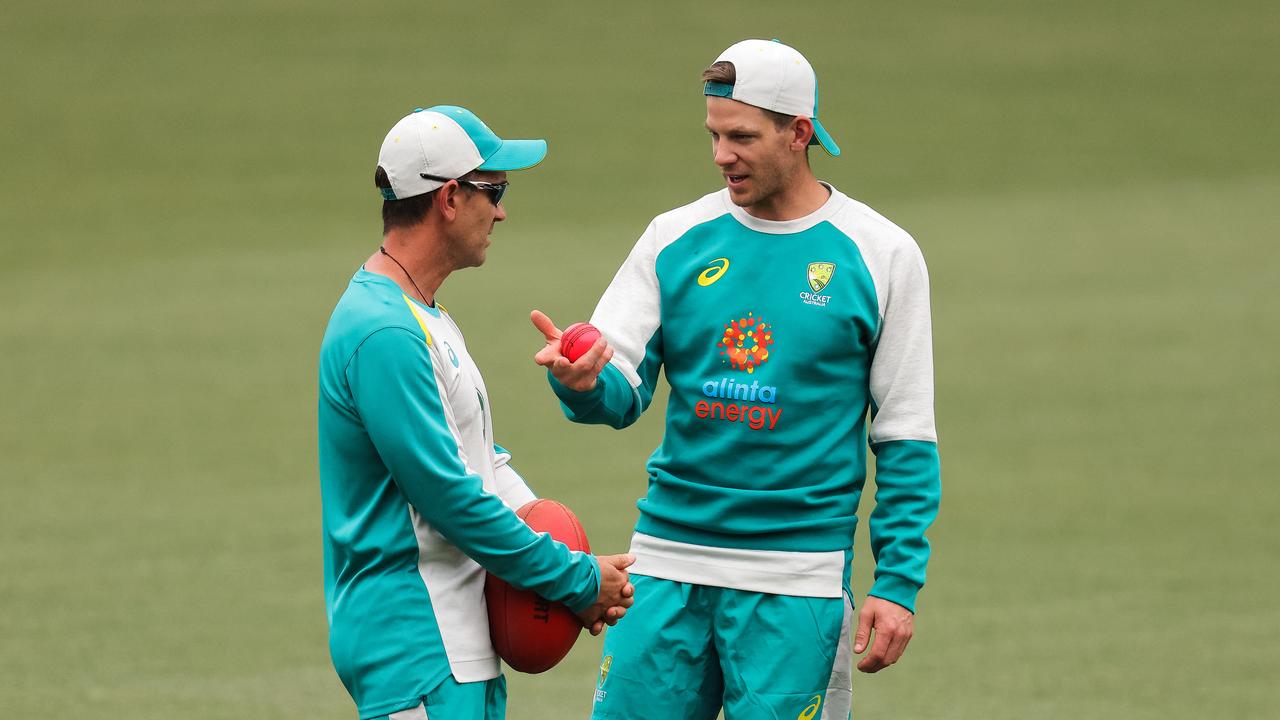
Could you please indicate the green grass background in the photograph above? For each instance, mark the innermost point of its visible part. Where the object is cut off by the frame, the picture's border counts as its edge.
(187, 187)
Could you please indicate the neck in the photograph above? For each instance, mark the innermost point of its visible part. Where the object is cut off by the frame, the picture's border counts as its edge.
(424, 265)
(799, 197)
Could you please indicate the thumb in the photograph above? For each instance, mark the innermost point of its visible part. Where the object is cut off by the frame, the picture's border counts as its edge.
(863, 635)
(544, 325)
(622, 562)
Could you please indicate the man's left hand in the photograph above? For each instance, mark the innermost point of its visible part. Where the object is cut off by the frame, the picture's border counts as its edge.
(892, 626)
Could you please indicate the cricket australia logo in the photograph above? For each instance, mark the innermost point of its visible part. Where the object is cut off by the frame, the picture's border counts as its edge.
(819, 275)
(604, 675)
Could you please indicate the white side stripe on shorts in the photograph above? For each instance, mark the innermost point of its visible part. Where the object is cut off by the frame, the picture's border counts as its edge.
(418, 713)
(840, 688)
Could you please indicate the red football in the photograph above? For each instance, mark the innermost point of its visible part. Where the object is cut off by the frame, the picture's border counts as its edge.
(530, 633)
(577, 339)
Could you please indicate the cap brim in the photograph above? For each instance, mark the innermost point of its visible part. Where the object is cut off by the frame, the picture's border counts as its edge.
(515, 155)
(824, 139)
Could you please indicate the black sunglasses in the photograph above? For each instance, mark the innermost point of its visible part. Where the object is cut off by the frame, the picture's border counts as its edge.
(494, 190)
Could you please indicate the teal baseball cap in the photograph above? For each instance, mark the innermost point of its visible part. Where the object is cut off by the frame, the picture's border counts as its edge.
(447, 141)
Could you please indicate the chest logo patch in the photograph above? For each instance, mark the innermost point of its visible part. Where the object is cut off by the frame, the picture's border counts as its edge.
(746, 342)
(714, 271)
(820, 274)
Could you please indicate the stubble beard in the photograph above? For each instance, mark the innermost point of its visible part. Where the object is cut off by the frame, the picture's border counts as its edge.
(766, 187)
(464, 254)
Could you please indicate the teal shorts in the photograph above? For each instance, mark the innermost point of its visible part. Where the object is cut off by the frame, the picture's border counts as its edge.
(684, 651)
(452, 700)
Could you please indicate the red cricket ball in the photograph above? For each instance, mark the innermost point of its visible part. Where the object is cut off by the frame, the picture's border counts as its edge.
(577, 339)
(529, 632)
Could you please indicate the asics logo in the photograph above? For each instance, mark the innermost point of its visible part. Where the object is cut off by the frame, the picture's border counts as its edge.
(714, 271)
(811, 711)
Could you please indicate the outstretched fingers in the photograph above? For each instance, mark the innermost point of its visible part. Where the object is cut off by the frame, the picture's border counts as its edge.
(544, 325)
(550, 352)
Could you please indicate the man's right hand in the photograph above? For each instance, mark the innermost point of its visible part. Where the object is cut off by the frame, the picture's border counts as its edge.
(616, 593)
(579, 375)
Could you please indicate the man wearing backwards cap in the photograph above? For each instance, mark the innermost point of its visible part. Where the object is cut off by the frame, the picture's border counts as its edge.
(783, 310)
(417, 499)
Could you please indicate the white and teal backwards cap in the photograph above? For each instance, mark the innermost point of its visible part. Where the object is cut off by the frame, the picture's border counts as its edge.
(447, 141)
(775, 77)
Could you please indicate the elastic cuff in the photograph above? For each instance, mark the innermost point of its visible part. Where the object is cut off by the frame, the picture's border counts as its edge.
(580, 605)
(896, 590)
(575, 402)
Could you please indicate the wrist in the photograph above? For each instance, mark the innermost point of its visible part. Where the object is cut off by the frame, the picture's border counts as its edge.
(572, 396)
(589, 597)
(896, 590)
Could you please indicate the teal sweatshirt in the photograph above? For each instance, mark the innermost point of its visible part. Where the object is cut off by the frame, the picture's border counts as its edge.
(790, 348)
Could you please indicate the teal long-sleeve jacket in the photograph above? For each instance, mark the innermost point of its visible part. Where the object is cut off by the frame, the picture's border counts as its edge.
(417, 503)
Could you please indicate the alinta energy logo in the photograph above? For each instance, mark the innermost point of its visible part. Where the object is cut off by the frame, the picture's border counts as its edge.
(745, 344)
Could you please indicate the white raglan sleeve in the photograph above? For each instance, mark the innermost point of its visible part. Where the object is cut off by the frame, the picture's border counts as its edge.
(629, 317)
(903, 434)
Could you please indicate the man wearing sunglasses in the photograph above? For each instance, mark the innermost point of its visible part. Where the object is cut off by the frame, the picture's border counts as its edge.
(417, 499)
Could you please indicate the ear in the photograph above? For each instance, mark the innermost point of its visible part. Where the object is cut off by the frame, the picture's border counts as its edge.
(802, 128)
(447, 199)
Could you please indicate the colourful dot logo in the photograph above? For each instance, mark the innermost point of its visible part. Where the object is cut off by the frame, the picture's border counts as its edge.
(746, 342)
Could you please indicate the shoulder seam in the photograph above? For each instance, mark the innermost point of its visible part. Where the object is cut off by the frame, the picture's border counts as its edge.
(711, 212)
(373, 332)
(863, 212)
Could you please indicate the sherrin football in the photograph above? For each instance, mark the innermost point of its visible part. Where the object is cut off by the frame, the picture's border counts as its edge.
(532, 634)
